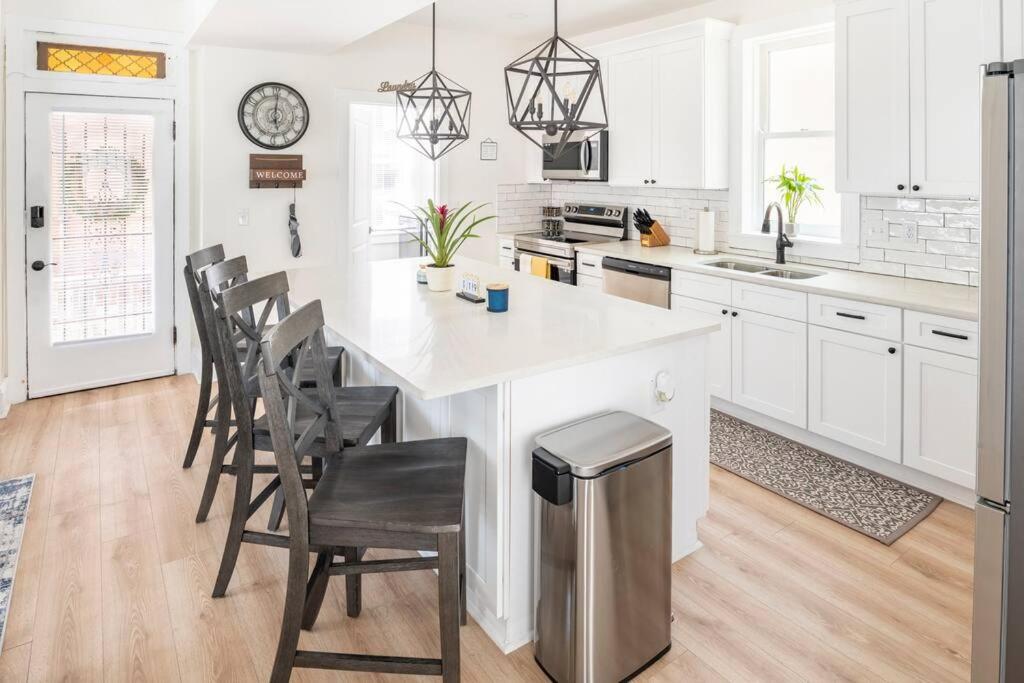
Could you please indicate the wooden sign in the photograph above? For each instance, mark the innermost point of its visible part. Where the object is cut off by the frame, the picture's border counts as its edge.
(275, 170)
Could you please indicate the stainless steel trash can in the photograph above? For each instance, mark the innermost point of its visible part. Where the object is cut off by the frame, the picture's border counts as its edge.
(605, 488)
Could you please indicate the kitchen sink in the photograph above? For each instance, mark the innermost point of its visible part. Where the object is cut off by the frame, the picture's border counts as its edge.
(738, 265)
(789, 274)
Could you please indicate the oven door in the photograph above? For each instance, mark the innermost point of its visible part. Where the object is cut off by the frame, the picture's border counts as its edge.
(559, 270)
(585, 160)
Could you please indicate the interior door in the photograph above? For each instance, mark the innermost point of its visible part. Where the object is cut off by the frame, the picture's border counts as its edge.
(360, 198)
(630, 90)
(99, 241)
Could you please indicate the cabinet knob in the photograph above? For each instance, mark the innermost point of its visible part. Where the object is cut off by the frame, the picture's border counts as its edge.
(901, 186)
(646, 181)
(724, 311)
(653, 181)
(735, 313)
(892, 349)
(916, 188)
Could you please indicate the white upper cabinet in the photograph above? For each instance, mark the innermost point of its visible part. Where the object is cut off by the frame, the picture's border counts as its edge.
(668, 106)
(908, 94)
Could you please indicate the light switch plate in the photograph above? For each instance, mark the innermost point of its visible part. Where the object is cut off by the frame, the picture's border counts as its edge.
(243, 218)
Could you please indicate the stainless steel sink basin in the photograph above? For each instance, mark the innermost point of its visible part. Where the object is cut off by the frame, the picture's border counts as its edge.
(789, 274)
(738, 265)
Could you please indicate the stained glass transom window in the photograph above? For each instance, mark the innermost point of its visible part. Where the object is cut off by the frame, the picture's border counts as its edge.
(101, 194)
(100, 61)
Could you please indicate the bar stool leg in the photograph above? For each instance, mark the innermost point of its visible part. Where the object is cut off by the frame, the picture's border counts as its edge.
(462, 571)
(239, 516)
(295, 598)
(354, 584)
(316, 589)
(448, 604)
(202, 408)
(216, 460)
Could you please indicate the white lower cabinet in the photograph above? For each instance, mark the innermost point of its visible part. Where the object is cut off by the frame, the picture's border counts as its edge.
(719, 344)
(855, 390)
(769, 366)
(940, 421)
(589, 281)
(506, 263)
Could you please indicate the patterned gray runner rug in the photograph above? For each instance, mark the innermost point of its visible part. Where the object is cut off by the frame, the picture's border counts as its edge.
(865, 501)
(14, 498)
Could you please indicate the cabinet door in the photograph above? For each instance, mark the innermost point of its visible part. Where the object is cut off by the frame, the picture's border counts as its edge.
(719, 344)
(940, 423)
(678, 111)
(629, 117)
(769, 366)
(1013, 30)
(947, 44)
(854, 390)
(872, 97)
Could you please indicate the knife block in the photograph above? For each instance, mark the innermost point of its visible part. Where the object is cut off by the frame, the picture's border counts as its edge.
(657, 237)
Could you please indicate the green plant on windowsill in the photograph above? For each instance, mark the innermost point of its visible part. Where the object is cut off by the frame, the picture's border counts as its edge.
(795, 189)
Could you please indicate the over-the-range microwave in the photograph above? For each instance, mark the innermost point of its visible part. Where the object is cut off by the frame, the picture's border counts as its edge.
(586, 160)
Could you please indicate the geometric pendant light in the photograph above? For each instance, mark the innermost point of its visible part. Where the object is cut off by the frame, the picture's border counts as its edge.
(555, 94)
(434, 117)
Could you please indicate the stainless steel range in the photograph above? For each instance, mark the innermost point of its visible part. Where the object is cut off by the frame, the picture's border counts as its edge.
(584, 224)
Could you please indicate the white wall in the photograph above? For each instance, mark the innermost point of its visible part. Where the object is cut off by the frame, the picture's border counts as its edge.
(220, 160)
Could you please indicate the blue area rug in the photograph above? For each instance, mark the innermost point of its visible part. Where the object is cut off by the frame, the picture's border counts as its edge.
(14, 499)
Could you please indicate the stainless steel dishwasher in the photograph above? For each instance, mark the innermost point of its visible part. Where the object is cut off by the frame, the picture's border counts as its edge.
(637, 281)
(605, 488)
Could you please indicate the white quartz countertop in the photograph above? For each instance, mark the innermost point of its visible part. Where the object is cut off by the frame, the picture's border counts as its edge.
(957, 301)
(439, 345)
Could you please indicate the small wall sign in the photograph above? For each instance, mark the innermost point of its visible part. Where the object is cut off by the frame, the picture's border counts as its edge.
(488, 150)
(275, 171)
(388, 86)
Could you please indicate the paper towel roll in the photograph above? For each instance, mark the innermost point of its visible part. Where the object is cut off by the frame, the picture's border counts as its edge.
(705, 232)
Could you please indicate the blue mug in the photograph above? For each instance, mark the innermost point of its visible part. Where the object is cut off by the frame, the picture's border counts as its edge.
(497, 298)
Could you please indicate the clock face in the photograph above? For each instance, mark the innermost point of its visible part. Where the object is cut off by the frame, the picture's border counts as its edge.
(273, 115)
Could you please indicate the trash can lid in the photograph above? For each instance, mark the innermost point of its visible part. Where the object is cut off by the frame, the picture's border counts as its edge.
(595, 444)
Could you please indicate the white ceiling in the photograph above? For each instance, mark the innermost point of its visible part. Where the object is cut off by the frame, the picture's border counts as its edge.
(310, 26)
(534, 18)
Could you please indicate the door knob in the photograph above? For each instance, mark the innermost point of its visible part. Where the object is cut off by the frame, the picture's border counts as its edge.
(39, 265)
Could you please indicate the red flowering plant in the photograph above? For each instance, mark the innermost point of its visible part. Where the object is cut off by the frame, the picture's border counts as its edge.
(444, 231)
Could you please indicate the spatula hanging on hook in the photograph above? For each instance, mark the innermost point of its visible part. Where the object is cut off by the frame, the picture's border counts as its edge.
(293, 229)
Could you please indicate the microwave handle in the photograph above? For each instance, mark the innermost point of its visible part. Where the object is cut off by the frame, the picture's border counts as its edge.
(587, 153)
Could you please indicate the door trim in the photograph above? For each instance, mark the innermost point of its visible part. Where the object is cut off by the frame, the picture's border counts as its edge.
(22, 79)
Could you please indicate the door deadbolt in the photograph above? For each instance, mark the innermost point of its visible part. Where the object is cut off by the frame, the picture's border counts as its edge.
(39, 265)
(36, 217)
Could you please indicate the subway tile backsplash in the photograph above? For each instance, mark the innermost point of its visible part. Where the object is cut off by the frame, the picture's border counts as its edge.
(926, 239)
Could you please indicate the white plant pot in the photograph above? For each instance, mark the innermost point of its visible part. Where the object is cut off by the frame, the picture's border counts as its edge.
(440, 279)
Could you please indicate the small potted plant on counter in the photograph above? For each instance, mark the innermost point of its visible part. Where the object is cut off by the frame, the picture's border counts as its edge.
(443, 233)
(795, 188)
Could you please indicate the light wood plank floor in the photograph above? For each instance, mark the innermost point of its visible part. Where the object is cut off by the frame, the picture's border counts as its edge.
(114, 579)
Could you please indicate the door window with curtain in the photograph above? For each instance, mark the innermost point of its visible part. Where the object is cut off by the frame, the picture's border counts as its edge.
(386, 174)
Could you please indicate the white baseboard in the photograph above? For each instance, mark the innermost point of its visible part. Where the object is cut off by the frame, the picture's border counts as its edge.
(948, 490)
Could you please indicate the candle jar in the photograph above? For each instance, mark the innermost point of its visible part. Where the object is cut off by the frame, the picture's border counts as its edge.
(497, 297)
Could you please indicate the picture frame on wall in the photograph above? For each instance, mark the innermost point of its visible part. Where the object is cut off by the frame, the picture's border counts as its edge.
(488, 150)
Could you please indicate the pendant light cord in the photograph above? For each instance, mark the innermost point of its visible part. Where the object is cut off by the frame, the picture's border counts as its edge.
(556, 18)
(433, 37)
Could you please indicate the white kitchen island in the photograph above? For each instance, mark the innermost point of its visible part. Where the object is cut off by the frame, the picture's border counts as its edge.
(559, 354)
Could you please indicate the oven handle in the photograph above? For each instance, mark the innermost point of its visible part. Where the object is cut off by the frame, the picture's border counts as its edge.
(564, 264)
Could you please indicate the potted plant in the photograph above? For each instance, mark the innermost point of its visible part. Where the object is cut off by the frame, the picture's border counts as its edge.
(795, 188)
(443, 233)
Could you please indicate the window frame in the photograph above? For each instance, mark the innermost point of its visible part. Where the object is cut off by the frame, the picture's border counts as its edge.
(749, 66)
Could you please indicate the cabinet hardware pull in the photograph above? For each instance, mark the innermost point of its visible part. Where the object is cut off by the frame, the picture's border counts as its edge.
(961, 337)
(735, 313)
(854, 316)
(724, 311)
(646, 181)
(892, 349)
(901, 186)
(916, 188)
(653, 181)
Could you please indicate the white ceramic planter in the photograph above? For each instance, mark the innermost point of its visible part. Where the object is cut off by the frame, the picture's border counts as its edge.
(440, 279)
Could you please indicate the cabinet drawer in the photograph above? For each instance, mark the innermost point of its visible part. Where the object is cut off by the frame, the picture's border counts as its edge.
(873, 320)
(506, 248)
(938, 332)
(770, 300)
(697, 286)
(589, 281)
(589, 264)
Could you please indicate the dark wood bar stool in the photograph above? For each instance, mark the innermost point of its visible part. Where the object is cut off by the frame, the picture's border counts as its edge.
(370, 409)
(406, 496)
(194, 264)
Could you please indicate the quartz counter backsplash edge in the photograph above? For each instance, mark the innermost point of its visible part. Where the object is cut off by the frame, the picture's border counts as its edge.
(921, 238)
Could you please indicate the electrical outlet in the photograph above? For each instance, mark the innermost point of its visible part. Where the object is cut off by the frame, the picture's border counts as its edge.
(910, 230)
(243, 218)
(878, 231)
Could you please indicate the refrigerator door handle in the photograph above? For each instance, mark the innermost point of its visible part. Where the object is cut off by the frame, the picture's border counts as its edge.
(989, 549)
(996, 159)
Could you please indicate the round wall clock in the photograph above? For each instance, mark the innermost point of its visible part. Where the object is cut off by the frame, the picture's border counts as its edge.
(273, 115)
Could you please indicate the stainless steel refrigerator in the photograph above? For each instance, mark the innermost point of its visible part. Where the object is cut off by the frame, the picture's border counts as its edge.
(998, 639)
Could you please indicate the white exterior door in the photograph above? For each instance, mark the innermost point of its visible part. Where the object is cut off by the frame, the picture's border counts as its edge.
(360, 195)
(769, 366)
(100, 260)
(629, 117)
(855, 388)
(872, 100)
(940, 430)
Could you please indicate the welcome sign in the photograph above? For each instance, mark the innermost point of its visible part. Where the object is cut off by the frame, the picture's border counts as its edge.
(275, 170)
